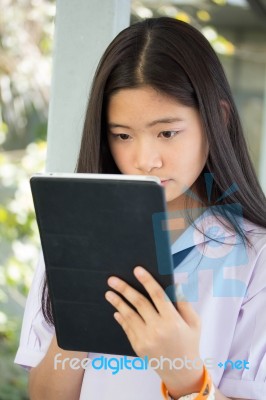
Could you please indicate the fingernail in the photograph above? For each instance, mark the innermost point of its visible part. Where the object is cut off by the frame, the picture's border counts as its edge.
(109, 295)
(113, 282)
(139, 271)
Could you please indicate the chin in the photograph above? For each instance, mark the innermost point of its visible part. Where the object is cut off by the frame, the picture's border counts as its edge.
(174, 199)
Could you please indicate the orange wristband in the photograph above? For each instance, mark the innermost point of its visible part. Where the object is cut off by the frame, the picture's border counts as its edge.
(204, 392)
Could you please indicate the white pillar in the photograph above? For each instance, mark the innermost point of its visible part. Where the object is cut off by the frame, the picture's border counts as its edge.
(83, 29)
(262, 165)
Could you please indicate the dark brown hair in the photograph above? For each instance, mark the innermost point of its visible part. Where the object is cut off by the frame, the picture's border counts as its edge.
(175, 59)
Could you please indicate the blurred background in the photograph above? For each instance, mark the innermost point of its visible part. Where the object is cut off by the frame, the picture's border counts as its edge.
(237, 31)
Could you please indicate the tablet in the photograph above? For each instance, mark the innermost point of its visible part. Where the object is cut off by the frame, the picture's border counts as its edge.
(93, 226)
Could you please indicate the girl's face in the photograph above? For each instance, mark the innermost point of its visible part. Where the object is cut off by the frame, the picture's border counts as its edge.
(150, 133)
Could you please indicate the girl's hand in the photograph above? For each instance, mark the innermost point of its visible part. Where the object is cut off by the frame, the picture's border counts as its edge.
(159, 330)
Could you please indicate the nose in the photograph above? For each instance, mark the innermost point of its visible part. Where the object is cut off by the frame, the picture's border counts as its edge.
(147, 156)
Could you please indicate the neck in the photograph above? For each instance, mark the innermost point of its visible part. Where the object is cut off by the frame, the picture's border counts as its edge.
(181, 213)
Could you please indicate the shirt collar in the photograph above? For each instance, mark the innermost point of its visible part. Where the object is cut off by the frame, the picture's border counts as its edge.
(205, 228)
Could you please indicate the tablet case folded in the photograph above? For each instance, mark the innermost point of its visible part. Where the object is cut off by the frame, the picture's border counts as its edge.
(91, 229)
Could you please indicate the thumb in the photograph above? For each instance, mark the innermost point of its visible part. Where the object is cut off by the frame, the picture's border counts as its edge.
(185, 309)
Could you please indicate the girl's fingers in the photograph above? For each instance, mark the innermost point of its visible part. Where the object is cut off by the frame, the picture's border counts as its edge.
(185, 309)
(131, 334)
(188, 313)
(142, 305)
(156, 292)
(161, 301)
(131, 319)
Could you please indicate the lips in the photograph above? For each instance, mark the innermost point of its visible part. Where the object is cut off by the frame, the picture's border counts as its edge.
(164, 181)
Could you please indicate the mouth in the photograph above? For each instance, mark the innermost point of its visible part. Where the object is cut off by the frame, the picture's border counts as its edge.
(164, 181)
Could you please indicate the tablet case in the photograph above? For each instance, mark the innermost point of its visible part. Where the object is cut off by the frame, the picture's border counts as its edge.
(91, 229)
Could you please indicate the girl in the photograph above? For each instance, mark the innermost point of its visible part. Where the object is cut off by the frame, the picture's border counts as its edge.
(160, 105)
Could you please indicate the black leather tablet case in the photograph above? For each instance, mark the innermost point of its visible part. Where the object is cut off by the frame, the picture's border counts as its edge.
(91, 229)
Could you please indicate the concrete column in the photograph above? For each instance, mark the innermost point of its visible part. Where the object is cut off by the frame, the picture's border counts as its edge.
(83, 29)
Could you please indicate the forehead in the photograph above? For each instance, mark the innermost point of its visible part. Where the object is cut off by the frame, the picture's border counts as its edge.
(144, 100)
(145, 107)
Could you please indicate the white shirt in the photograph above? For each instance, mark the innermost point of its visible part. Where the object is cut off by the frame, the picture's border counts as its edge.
(227, 288)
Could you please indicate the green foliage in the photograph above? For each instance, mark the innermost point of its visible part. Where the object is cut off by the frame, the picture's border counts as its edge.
(26, 38)
(13, 380)
(19, 240)
(26, 33)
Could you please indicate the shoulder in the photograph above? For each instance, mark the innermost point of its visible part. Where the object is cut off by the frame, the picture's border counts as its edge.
(245, 260)
(257, 237)
(256, 255)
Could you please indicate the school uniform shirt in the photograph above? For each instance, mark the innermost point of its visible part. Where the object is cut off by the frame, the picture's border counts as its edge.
(225, 282)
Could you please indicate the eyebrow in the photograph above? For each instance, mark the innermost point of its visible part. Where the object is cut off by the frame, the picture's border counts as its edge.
(155, 122)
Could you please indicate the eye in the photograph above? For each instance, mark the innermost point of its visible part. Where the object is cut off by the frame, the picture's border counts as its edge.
(121, 136)
(168, 134)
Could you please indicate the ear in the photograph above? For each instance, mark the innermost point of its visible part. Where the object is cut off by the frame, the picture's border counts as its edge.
(225, 110)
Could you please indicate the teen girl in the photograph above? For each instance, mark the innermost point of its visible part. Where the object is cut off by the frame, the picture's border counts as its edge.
(160, 105)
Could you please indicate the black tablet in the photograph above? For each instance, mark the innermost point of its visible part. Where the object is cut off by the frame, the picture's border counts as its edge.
(93, 226)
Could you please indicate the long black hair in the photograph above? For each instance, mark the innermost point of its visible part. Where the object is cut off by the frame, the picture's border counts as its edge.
(175, 59)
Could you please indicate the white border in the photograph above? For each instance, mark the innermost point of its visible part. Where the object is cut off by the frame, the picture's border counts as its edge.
(99, 176)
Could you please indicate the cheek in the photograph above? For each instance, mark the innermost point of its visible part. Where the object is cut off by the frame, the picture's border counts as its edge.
(189, 160)
(113, 150)
(120, 157)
